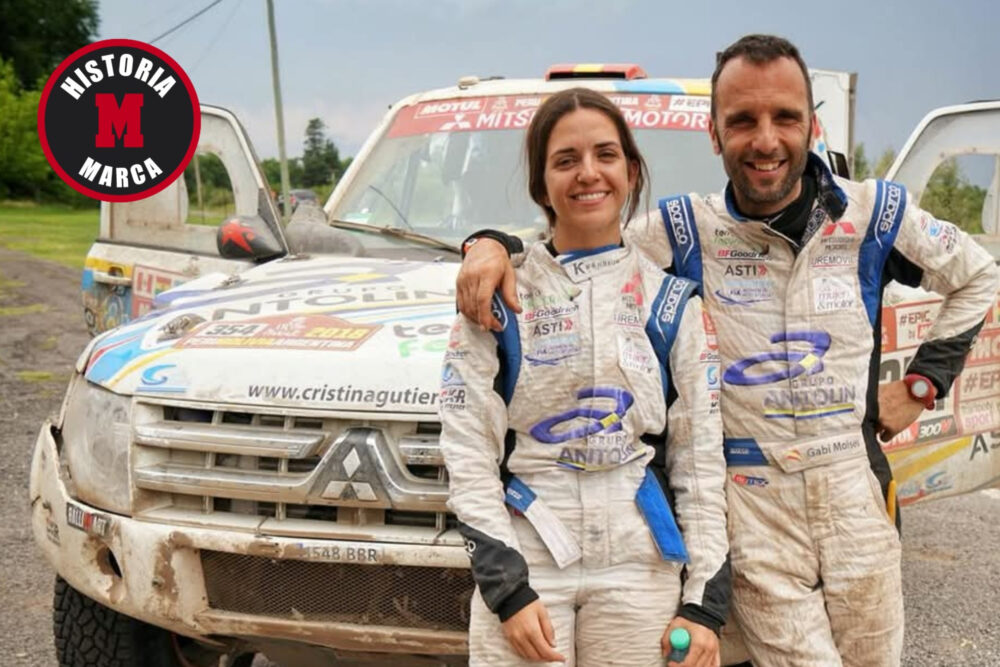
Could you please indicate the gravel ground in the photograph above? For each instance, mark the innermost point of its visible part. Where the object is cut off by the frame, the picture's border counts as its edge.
(950, 565)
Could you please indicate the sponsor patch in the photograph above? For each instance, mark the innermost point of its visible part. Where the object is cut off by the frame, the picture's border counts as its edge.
(51, 531)
(450, 376)
(832, 293)
(305, 332)
(551, 350)
(750, 480)
(834, 260)
(745, 292)
(91, 523)
(635, 354)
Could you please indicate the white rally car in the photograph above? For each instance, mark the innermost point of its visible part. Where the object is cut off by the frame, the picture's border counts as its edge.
(247, 460)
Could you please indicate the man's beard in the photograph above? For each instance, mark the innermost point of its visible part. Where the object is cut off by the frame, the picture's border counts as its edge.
(775, 193)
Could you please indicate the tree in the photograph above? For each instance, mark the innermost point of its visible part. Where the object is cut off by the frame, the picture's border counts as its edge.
(320, 158)
(24, 171)
(883, 163)
(36, 35)
(23, 168)
(949, 196)
(272, 171)
(862, 169)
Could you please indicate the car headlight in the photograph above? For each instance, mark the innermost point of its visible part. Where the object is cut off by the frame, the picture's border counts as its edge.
(96, 432)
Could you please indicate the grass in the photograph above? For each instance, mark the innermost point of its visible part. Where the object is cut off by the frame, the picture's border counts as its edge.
(16, 311)
(56, 233)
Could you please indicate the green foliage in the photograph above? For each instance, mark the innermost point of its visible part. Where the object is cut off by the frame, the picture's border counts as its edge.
(24, 171)
(320, 158)
(36, 35)
(883, 163)
(949, 196)
(861, 169)
(272, 171)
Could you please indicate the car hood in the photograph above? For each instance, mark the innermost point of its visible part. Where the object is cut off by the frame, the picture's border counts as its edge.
(334, 333)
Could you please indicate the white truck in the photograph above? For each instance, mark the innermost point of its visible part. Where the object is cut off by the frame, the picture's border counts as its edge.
(246, 459)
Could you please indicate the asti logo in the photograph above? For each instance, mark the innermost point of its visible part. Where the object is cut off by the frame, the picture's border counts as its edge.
(796, 362)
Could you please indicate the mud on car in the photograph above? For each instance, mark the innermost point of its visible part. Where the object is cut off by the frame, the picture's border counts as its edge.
(246, 459)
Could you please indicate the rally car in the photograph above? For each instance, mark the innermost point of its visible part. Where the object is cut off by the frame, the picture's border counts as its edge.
(247, 460)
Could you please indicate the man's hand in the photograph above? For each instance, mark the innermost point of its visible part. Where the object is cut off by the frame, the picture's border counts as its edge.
(530, 632)
(486, 266)
(896, 409)
(704, 649)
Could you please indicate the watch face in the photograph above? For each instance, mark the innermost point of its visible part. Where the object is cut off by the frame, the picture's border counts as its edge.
(920, 388)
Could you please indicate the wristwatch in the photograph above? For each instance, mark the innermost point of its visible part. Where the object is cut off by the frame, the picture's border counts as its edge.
(468, 244)
(921, 389)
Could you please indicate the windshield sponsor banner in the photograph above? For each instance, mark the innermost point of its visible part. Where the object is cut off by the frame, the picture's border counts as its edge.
(514, 112)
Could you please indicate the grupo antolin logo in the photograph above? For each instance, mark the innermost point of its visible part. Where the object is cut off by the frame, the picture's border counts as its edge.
(796, 362)
(119, 120)
(596, 419)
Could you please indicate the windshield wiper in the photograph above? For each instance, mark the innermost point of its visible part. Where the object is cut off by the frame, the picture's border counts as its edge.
(397, 232)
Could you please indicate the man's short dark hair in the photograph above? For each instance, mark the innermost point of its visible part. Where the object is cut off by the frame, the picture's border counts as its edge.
(760, 50)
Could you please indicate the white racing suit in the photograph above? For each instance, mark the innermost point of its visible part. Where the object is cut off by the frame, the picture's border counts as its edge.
(815, 560)
(564, 437)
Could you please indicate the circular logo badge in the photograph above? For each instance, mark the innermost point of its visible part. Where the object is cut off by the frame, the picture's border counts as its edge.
(119, 120)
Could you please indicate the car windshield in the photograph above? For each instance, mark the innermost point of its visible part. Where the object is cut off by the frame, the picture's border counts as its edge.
(446, 168)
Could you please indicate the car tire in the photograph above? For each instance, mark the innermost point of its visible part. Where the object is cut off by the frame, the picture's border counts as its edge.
(88, 634)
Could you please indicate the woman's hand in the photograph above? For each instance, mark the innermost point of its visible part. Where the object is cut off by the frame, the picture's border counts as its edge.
(704, 649)
(530, 632)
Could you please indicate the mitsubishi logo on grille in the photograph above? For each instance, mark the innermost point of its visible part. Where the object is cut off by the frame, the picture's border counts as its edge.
(353, 473)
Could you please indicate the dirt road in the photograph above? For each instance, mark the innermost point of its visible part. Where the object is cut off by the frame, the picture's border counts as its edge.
(951, 570)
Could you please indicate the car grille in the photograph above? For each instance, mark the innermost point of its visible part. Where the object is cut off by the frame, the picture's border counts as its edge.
(431, 598)
(287, 469)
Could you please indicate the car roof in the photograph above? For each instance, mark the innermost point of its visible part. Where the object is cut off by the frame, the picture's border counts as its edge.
(486, 87)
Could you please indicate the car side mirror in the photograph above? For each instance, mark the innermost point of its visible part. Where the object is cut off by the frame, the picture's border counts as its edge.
(838, 164)
(247, 237)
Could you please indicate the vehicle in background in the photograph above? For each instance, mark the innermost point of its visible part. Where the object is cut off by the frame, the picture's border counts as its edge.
(297, 196)
(954, 448)
(249, 460)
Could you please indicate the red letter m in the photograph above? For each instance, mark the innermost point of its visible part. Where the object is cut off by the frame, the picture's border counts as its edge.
(124, 120)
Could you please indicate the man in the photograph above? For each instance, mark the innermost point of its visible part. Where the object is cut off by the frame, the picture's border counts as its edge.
(792, 262)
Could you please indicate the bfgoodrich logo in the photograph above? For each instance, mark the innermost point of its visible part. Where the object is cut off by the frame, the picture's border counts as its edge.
(119, 120)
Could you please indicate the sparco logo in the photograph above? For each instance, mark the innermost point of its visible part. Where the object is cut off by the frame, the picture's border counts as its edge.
(119, 120)
(677, 221)
(671, 300)
(892, 196)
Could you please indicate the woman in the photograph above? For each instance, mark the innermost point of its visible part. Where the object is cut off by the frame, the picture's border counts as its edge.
(564, 415)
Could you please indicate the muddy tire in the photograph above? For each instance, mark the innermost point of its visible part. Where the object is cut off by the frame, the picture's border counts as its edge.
(88, 634)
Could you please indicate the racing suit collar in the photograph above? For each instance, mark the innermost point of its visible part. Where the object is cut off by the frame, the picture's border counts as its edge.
(829, 195)
(581, 265)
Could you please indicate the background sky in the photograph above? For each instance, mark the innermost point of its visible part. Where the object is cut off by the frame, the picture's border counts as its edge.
(345, 61)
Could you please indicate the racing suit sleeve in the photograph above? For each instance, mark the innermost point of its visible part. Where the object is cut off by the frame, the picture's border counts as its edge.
(942, 258)
(473, 428)
(648, 232)
(697, 470)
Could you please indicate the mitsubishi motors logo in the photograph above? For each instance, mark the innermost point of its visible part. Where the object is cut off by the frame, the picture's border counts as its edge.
(119, 120)
(355, 476)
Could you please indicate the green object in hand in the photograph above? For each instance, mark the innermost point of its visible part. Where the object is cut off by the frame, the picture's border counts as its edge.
(680, 641)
